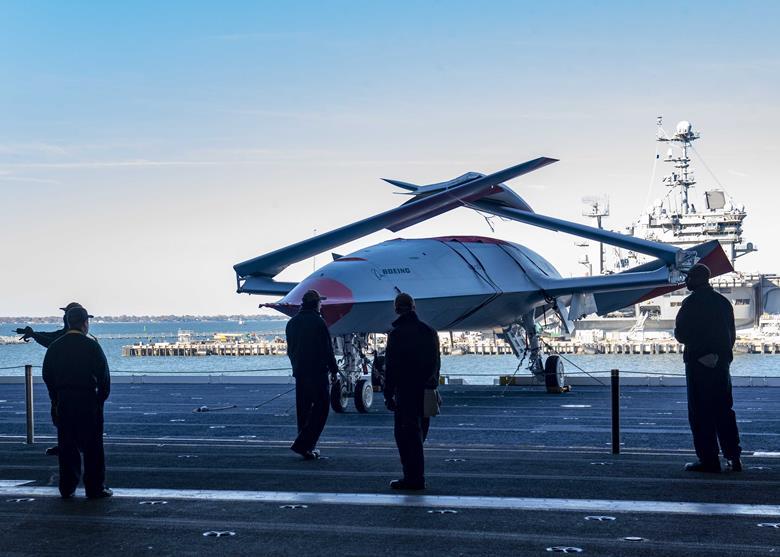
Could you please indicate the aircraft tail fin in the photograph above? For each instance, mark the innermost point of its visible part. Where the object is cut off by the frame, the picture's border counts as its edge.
(501, 195)
(403, 185)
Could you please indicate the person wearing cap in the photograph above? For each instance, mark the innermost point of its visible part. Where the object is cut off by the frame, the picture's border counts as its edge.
(45, 338)
(412, 364)
(705, 325)
(310, 350)
(76, 375)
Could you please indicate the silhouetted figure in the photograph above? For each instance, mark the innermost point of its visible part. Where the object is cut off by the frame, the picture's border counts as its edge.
(76, 374)
(45, 338)
(412, 364)
(705, 325)
(310, 351)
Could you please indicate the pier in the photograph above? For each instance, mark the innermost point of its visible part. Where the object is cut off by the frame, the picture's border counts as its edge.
(486, 347)
(278, 347)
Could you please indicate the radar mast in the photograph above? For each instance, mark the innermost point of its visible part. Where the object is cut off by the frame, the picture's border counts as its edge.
(682, 176)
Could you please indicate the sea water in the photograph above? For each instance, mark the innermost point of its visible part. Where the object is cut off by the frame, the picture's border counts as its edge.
(474, 369)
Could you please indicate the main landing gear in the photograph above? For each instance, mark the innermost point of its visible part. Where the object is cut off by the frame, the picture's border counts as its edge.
(524, 340)
(355, 380)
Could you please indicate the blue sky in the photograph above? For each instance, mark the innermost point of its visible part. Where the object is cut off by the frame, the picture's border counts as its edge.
(146, 147)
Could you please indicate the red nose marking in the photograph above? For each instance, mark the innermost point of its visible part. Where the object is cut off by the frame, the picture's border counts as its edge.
(339, 298)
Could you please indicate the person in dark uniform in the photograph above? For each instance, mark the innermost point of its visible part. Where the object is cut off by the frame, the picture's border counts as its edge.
(76, 374)
(45, 338)
(412, 364)
(705, 325)
(310, 351)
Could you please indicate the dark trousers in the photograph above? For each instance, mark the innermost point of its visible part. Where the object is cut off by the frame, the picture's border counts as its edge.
(411, 430)
(80, 430)
(710, 412)
(312, 406)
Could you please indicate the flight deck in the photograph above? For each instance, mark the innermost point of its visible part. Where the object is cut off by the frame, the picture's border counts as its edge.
(510, 471)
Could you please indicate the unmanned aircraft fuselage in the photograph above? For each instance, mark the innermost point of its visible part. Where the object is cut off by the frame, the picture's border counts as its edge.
(459, 283)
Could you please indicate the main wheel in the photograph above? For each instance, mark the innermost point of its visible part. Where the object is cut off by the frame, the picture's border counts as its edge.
(364, 395)
(339, 397)
(553, 374)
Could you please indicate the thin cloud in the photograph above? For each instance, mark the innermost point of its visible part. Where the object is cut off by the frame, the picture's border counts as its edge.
(266, 36)
(111, 164)
(27, 179)
(329, 117)
(738, 173)
(32, 149)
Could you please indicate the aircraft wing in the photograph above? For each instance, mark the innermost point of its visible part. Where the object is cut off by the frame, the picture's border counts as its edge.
(607, 293)
(603, 294)
(263, 268)
(669, 254)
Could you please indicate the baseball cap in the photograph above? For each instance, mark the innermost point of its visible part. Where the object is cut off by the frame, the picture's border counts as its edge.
(76, 316)
(312, 296)
(698, 275)
(404, 301)
(74, 305)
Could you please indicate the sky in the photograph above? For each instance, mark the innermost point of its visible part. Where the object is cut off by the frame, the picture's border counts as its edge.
(147, 147)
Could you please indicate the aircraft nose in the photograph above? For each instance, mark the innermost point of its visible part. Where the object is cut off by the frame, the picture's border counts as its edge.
(339, 299)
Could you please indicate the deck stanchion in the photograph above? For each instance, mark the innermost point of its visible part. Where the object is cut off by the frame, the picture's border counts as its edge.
(615, 375)
(28, 397)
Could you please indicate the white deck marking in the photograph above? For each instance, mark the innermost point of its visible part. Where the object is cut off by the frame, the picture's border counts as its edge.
(436, 501)
(14, 483)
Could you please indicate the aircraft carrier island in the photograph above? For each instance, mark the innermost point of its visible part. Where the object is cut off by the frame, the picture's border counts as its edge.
(510, 471)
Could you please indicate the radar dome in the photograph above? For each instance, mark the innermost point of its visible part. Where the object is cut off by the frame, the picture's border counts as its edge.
(684, 127)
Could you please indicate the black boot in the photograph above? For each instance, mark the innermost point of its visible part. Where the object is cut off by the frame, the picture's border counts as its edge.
(699, 466)
(735, 465)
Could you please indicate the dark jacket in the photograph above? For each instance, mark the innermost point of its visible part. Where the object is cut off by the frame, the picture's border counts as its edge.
(309, 346)
(412, 362)
(705, 325)
(75, 367)
(45, 338)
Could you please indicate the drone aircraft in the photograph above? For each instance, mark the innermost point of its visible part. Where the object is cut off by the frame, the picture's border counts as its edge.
(461, 282)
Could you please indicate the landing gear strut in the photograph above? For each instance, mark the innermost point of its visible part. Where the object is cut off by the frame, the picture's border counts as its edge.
(355, 377)
(524, 340)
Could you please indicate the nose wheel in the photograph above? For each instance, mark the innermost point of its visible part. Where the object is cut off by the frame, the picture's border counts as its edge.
(364, 395)
(362, 392)
(339, 396)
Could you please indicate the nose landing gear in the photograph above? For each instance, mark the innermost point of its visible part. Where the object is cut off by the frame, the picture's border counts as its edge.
(355, 378)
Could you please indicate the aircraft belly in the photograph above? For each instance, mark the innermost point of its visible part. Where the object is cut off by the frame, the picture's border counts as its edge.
(441, 313)
(377, 317)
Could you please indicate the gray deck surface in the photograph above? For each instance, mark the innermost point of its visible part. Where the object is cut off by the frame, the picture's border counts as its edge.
(501, 450)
